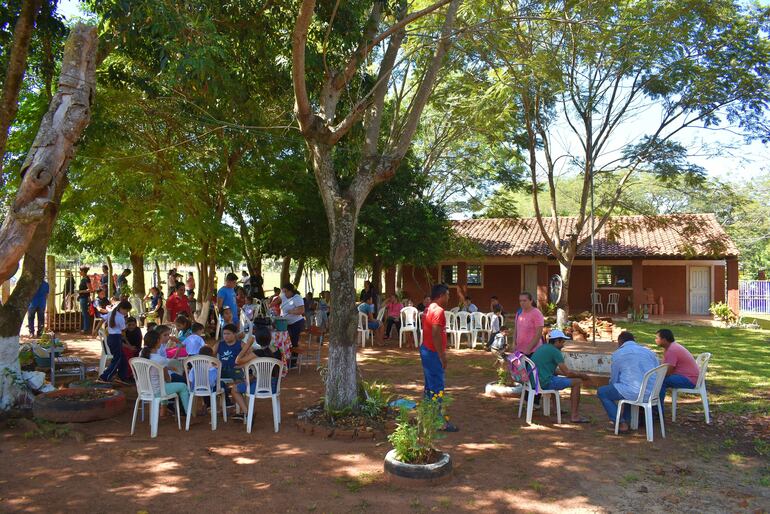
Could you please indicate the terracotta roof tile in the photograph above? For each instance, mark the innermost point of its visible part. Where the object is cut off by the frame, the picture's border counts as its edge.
(677, 235)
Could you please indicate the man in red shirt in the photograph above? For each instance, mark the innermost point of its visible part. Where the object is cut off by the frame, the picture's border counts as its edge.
(433, 348)
(177, 304)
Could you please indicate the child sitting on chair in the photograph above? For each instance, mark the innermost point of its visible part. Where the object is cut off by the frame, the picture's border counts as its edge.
(245, 356)
(132, 341)
(151, 351)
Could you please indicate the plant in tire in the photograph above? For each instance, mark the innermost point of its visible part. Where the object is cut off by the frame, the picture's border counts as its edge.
(414, 439)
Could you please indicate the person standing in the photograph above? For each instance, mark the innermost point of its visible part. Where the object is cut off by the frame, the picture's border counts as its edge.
(190, 283)
(256, 282)
(226, 296)
(293, 309)
(528, 328)
(122, 282)
(177, 304)
(629, 364)
(104, 279)
(683, 371)
(69, 291)
(84, 299)
(433, 347)
(116, 326)
(37, 308)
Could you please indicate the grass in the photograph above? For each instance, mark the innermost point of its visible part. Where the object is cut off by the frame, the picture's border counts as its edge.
(354, 484)
(737, 375)
(763, 320)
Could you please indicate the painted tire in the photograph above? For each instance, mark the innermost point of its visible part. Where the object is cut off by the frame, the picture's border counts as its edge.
(419, 473)
(55, 406)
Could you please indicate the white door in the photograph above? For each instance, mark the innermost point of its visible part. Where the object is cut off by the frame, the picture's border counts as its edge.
(700, 289)
(530, 280)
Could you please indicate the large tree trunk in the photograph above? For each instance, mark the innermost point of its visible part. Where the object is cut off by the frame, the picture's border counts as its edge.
(285, 270)
(14, 75)
(47, 161)
(137, 270)
(377, 274)
(298, 273)
(342, 377)
(562, 311)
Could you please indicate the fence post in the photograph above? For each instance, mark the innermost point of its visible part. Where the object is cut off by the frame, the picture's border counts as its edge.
(50, 309)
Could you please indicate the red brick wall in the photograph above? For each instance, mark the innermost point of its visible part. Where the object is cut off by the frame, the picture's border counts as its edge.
(719, 284)
(417, 285)
(670, 282)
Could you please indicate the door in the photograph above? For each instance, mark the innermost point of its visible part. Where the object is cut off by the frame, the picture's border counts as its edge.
(700, 289)
(530, 280)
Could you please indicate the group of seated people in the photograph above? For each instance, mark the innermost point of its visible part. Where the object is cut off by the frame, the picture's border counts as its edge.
(234, 351)
(630, 362)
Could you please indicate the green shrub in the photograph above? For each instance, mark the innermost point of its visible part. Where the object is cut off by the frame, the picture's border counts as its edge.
(414, 440)
(723, 313)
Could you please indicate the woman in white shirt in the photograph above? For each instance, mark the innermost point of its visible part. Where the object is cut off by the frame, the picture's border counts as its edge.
(116, 324)
(293, 309)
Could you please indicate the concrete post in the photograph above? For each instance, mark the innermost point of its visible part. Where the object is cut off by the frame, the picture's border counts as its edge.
(733, 301)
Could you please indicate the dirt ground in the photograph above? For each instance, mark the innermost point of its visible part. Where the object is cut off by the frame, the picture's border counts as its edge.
(501, 464)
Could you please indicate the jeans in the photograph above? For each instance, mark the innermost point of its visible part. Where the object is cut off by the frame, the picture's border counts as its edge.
(677, 382)
(610, 397)
(432, 370)
(31, 312)
(389, 327)
(118, 364)
(85, 323)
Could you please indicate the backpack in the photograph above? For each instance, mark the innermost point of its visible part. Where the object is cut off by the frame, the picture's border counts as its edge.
(519, 372)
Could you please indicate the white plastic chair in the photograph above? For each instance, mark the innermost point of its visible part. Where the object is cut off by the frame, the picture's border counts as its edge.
(410, 319)
(363, 329)
(262, 368)
(530, 392)
(462, 327)
(596, 300)
(203, 387)
(381, 315)
(142, 369)
(490, 321)
(612, 303)
(106, 353)
(479, 326)
(455, 310)
(700, 388)
(657, 374)
(451, 326)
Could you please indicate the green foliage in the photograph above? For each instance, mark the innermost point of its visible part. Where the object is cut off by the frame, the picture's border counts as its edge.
(414, 440)
(375, 399)
(503, 376)
(723, 313)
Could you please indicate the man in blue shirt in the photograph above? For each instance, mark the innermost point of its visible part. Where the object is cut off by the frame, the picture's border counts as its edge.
(629, 364)
(37, 307)
(226, 296)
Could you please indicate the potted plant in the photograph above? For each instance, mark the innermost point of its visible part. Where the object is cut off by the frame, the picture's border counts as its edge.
(414, 458)
(502, 387)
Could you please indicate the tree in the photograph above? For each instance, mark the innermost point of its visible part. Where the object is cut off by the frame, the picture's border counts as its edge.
(27, 227)
(582, 73)
(380, 154)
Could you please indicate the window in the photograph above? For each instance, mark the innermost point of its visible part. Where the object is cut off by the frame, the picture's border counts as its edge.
(613, 276)
(474, 274)
(449, 275)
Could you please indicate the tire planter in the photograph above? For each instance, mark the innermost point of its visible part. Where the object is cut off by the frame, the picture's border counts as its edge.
(56, 406)
(418, 474)
(495, 389)
(88, 384)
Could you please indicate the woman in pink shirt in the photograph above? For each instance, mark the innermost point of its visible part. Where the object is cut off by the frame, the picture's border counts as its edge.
(394, 314)
(528, 328)
(682, 371)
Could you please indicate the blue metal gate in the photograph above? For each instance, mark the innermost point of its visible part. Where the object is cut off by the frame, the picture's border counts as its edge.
(755, 296)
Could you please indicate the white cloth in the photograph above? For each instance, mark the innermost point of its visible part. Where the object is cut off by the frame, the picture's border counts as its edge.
(120, 323)
(154, 378)
(288, 304)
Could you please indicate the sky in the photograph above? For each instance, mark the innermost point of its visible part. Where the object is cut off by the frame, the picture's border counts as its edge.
(731, 158)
